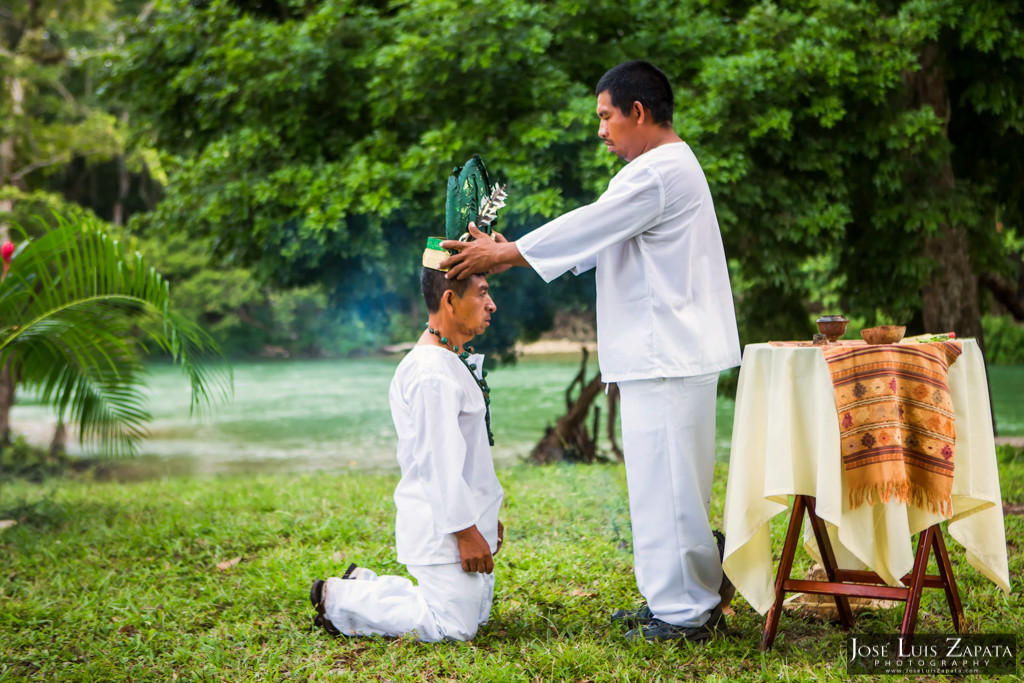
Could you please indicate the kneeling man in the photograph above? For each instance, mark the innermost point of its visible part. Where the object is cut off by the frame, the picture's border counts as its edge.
(447, 529)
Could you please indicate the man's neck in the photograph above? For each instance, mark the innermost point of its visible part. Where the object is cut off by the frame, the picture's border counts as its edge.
(446, 328)
(663, 135)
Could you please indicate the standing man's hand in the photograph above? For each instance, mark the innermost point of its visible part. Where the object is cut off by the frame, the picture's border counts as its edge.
(482, 255)
(474, 551)
(502, 267)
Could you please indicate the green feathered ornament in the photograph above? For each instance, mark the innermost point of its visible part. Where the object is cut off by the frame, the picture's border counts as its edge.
(470, 199)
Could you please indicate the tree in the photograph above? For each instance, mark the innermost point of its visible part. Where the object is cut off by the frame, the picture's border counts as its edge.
(310, 141)
(569, 440)
(77, 317)
(48, 122)
(863, 154)
(319, 156)
(48, 117)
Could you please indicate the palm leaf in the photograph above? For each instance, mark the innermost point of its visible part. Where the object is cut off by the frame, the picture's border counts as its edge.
(77, 316)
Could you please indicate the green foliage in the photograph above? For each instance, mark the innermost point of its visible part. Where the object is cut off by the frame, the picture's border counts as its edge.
(1008, 454)
(37, 211)
(21, 459)
(819, 156)
(49, 118)
(77, 316)
(1004, 340)
(310, 142)
(330, 166)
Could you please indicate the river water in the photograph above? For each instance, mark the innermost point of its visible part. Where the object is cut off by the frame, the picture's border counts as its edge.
(328, 415)
(332, 415)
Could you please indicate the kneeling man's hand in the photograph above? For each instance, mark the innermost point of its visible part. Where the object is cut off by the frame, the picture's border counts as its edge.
(474, 551)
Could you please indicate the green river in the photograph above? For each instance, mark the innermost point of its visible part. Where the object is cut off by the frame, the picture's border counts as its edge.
(331, 415)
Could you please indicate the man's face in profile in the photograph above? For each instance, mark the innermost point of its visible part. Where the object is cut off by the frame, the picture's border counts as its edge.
(474, 308)
(618, 130)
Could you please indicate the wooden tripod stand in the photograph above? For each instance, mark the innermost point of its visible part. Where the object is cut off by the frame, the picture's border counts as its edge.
(843, 584)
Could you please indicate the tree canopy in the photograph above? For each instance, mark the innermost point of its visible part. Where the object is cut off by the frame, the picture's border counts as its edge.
(865, 157)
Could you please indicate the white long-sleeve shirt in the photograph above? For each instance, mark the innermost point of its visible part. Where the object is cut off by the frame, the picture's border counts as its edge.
(448, 481)
(664, 303)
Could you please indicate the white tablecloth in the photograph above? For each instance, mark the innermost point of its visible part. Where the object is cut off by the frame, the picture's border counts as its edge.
(785, 441)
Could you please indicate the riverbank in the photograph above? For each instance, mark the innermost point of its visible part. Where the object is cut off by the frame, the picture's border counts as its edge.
(541, 347)
(208, 579)
(291, 416)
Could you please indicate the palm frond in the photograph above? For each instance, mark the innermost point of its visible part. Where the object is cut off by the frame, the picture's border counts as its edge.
(77, 315)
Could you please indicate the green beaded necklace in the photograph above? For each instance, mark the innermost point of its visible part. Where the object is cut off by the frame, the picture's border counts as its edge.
(480, 381)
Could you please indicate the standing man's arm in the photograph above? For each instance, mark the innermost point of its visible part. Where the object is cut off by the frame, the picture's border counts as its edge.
(633, 203)
(481, 255)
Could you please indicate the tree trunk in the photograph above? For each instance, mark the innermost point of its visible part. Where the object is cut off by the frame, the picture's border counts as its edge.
(949, 301)
(950, 298)
(570, 440)
(123, 184)
(58, 447)
(6, 403)
(17, 97)
(1011, 298)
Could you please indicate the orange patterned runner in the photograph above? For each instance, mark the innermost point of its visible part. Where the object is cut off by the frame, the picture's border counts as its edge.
(896, 421)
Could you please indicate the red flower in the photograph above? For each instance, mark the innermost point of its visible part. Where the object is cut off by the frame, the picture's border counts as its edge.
(6, 252)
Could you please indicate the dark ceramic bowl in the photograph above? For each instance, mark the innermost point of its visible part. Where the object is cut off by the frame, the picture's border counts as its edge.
(832, 326)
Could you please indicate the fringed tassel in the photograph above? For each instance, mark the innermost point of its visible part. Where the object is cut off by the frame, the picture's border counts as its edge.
(903, 492)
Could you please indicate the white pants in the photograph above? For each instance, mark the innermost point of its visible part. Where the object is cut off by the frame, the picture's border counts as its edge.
(668, 439)
(448, 603)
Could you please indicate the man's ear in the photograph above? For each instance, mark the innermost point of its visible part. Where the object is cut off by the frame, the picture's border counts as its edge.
(447, 299)
(638, 112)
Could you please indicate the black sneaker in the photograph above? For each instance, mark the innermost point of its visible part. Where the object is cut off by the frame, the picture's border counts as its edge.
(316, 592)
(656, 629)
(726, 591)
(631, 618)
(316, 596)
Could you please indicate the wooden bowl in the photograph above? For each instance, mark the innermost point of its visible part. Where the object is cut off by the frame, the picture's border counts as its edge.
(884, 334)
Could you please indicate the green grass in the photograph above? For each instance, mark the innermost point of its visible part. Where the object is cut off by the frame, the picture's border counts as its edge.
(111, 582)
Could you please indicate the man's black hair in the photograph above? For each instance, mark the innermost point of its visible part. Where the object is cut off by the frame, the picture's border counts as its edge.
(639, 81)
(434, 284)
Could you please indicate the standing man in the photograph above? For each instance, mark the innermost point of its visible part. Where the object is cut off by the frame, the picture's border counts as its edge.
(666, 327)
(446, 527)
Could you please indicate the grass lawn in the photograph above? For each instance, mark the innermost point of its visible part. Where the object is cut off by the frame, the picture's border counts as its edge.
(110, 582)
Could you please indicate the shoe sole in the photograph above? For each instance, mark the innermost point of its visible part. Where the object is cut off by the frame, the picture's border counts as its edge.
(632, 618)
(316, 592)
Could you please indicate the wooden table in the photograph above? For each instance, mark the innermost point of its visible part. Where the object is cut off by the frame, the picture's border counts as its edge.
(786, 444)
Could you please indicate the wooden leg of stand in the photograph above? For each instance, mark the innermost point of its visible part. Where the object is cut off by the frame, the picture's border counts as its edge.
(916, 586)
(828, 559)
(956, 608)
(771, 623)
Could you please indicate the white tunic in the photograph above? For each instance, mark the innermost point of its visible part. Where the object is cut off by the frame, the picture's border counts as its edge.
(664, 304)
(448, 481)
